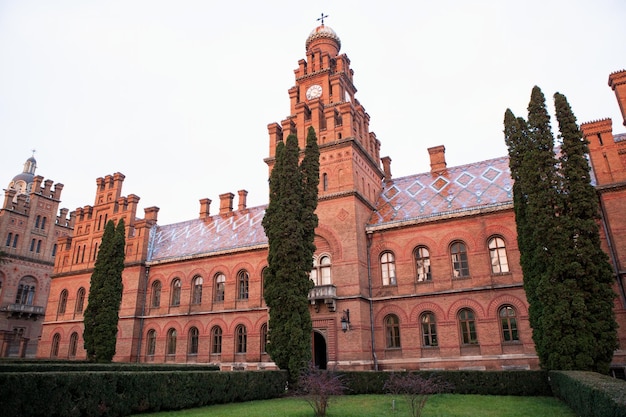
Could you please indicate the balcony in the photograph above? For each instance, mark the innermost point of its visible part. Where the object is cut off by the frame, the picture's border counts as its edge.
(326, 294)
(23, 311)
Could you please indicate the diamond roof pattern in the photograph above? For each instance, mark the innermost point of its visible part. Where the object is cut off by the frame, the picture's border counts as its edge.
(422, 196)
(467, 187)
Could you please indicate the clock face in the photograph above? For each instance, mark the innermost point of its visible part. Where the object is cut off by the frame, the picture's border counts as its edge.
(314, 91)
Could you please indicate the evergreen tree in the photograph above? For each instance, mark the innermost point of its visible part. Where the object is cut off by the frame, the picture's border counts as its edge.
(587, 266)
(567, 278)
(105, 295)
(289, 224)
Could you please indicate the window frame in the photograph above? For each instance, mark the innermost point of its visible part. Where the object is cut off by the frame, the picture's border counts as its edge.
(498, 256)
(241, 339)
(418, 256)
(243, 285)
(193, 341)
(388, 269)
(508, 323)
(62, 307)
(467, 327)
(176, 288)
(392, 331)
(216, 340)
(196, 293)
(220, 287)
(73, 346)
(80, 300)
(155, 297)
(428, 326)
(151, 338)
(170, 344)
(459, 259)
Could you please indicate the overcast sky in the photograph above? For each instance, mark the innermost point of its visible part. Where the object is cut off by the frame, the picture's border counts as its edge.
(177, 95)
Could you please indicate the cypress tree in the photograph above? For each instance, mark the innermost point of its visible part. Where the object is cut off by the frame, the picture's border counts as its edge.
(587, 268)
(289, 225)
(567, 278)
(105, 295)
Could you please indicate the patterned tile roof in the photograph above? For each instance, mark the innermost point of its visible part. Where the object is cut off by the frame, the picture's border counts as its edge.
(243, 229)
(479, 185)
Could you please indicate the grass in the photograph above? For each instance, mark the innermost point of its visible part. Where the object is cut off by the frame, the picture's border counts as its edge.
(443, 405)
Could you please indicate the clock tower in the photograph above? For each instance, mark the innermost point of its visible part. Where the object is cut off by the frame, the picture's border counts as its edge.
(351, 179)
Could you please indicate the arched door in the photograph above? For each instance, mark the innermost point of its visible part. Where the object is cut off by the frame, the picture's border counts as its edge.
(320, 354)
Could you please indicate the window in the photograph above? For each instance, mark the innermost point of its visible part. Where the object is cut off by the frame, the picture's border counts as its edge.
(467, 324)
(241, 338)
(73, 345)
(176, 286)
(216, 340)
(325, 181)
(388, 268)
(9, 238)
(460, 267)
(197, 290)
(32, 245)
(264, 338)
(497, 253)
(62, 302)
(54, 250)
(193, 341)
(43, 223)
(151, 342)
(320, 274)
(37, 220)
(429, 330)
(80, 300)
(54, 349)
(171, 342)
(39, 246)
(15, 239)
(220, 285)
(508, 324)
(422, 263)
(25, 292)
(392, 331)
(242, 285)
(156, 294)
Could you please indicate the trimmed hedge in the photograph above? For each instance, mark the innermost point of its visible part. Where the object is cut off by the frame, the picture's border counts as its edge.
(590, 394)
(114, 394)
(522, 383)
(52, 366)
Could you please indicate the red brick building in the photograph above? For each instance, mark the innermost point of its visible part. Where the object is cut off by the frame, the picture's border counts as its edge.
(414, 272)
(30, 224)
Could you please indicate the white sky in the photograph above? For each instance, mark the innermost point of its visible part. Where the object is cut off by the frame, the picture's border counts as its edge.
(177, 95)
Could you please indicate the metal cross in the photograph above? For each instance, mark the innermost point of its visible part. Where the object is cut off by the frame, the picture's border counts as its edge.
(322, 18)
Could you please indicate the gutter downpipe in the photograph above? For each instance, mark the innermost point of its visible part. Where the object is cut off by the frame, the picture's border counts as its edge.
(369, 281)
(612, 254)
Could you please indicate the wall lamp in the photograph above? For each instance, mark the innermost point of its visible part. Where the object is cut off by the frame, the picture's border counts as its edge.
(345, 320)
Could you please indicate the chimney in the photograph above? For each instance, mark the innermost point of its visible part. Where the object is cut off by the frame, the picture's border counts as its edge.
(386, 167)
(617, 81)
(205, 205)
(226, 203)
(242, 199)
(437, 159)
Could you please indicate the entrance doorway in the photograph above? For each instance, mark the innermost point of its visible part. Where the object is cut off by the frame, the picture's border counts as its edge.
(320, 354)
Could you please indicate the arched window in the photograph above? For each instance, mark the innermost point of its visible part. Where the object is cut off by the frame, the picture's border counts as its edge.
(324, 181)
(54, 349)
(62, 302)
(80, 300)
(243, 281)
(151, 342)
(37, 220)
(193, 341)
(25, 291)
(467, 324)
(241, 336)
(320, 274)
(264, 338)
(263, 272)
(220, 286)
(73, 344)
(216, 340)
(176, 287)
(156, 294)
(497, 253)
(43, 223)
(197, 290)
(388, 268)
(422, 263)
(392, 331)
(171, 342)
(458, 254)
(508, 323)
(429, 330)
(9, 238)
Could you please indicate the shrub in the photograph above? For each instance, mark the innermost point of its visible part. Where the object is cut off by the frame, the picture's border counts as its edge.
(416, 389)
(318, 387)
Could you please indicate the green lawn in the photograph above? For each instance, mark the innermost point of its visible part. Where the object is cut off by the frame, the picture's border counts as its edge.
(443, 405)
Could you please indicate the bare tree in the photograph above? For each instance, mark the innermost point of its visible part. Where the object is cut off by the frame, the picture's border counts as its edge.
(318, 387)
(415, 389)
